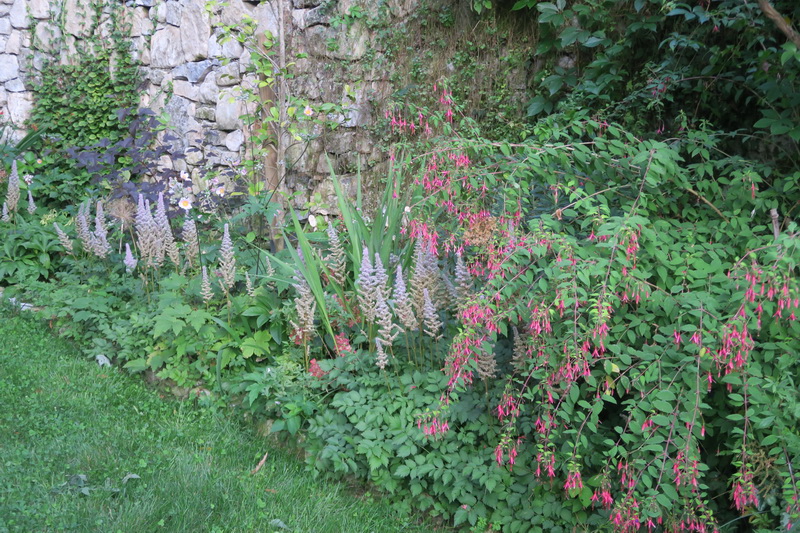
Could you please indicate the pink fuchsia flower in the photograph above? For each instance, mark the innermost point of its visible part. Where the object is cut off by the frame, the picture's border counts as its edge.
(573, 481)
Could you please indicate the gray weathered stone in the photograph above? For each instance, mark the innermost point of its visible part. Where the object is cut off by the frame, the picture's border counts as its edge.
(40, 59)
(19, 107)
(5, 26)
(205, 113)
(165, 49)
(217, 156)
(298, 4)
(18, 15)
(140, 51)
(229, 109)
(13, 42)
(76, 18)
(195, 72)
(141, 23)
(3, 97)
(47, 35)
(402, 8)
(215, 138)
(9, 67)
(15, 85)
(194, 156)
(159, 13)
(305, 18)
(228, 74)
(194, 33)
(186, 128)
(234, 140)
(173, 13)
(353, 43)
(209, 90)
(185, 89)
(230, 49)
(155, 75)
(267, 16)
(234, 11)
(39, 9)
(146, 3)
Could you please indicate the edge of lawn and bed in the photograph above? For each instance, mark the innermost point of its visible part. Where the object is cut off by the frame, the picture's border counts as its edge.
(85, 448)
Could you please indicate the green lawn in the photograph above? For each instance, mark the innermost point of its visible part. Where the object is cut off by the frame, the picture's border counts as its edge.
(70, 433)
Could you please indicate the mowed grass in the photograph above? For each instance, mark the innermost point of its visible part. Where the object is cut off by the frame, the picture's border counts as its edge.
(70, 433)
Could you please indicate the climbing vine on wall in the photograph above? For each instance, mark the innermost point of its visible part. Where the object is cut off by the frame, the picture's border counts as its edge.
(76, 100)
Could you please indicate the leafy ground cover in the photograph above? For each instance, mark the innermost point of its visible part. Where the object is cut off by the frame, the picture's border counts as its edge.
(86, 448)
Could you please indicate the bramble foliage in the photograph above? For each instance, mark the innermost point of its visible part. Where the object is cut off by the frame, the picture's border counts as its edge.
(594, 329)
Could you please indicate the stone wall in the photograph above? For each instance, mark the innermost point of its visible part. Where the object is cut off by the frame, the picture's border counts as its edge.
(195, 78)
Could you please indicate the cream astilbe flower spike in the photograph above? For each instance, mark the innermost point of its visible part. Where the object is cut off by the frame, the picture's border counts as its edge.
(189, 235)
(165, 232)
(249, 285)
(82, 228)
(65, 241)
(336, 258)
(306, 305)
(380, 279)
(5, 216)
(130, 261)
(365, 286)
(402, 303)
(147, 235)
(381, 359)
(487, 365)
(227, 260)
(101, 247)
(388, 329)
(433, 325)
(205, 287)
(269, 272)
(463, 282)
(31, 204)
(12, 194)
(520, 350)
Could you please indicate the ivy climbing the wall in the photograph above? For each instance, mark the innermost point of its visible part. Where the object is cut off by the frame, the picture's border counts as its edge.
(76, 100)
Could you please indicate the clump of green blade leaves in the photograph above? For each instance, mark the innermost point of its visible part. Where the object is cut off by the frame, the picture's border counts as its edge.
(382, 235)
